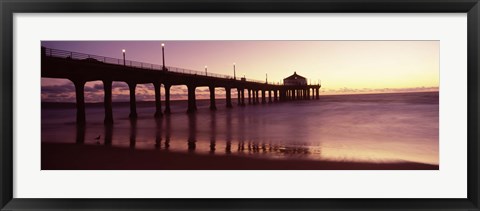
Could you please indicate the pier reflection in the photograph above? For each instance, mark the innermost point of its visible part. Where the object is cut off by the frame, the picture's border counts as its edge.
(192, 132)
(241, 134)
(168, 128)
(158, 133)
(287, 131)
(229, 132)
(108, 135)
(211, 133)
(80, 134)
(133, 132)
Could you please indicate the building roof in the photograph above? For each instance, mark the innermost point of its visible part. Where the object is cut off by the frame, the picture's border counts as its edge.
(295, 76)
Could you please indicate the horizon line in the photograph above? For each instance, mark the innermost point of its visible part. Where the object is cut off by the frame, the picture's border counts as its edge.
(336, 94)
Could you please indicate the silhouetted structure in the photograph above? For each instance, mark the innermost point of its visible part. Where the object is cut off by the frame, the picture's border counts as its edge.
(158, 133)
(295, 80)
(81, 68)
(192, 132)
(133, 132)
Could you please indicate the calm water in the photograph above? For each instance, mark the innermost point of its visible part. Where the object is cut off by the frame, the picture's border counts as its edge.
(375, 128)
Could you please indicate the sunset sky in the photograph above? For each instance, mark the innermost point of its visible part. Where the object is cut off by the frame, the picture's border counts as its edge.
(343, 67)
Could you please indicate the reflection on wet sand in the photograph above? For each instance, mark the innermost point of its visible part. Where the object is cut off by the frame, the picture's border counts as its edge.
(168, 128)
(241, 136)
(213, 132)
(80, 134)
(158, 133)
(336, 130)
(133, 132)
(194, 159)
(228, 131)
(192, 132)
(246, 143)
(108, 134)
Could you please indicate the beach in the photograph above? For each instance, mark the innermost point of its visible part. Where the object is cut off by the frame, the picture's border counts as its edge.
(344, 132)
(84, 157)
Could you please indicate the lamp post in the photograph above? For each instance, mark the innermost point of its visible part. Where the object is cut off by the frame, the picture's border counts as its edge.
(123, 51)
(266, 78)
(234, 78)
(205, 70)
(163, 56)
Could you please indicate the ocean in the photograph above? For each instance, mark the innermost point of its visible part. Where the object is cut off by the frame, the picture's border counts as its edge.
(377, 128)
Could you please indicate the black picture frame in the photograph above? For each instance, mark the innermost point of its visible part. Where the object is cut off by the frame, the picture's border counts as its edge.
(10, 7)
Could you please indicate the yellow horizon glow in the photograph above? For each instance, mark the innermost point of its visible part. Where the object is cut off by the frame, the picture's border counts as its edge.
(362, 66)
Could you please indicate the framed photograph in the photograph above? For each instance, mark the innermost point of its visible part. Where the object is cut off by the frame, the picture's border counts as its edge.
(258, 105)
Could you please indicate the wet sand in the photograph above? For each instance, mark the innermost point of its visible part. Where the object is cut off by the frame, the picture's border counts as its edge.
(90, 157)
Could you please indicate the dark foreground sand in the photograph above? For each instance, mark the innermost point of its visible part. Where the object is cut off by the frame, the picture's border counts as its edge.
(85, 157)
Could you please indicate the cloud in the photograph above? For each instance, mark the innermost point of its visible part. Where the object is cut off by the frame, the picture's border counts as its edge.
(203, 89)
(98, 86)
(120, 92)
(145, 92)
(119, 85)
(58, 88)
(346, 90)
(147, 86)
(90, 89)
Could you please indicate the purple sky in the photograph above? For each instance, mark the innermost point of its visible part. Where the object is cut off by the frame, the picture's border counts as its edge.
(342, 66)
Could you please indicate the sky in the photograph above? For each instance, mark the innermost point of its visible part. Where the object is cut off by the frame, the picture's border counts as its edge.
(342, 67)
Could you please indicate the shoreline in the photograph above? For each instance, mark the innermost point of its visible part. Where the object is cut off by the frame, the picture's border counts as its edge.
(235, 98)
(63, 156)
(54, 105)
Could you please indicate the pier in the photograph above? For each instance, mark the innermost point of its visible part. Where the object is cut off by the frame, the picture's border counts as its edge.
(81, 68)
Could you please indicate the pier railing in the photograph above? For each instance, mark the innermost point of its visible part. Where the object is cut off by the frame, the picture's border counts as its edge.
(108, 60)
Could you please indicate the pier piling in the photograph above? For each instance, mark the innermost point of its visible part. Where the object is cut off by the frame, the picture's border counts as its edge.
(212, 98)
(158, 103)
(228, 97)
(167, 98)
(133, 103)
(107, 89)
(80, 100)
(192, 104)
